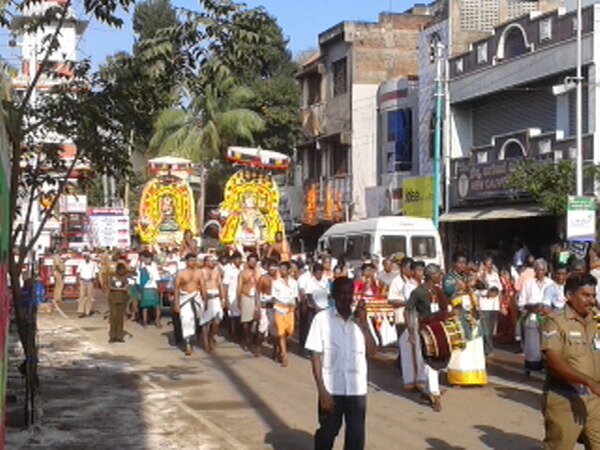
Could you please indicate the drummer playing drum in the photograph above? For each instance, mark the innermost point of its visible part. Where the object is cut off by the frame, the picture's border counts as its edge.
(426, 304)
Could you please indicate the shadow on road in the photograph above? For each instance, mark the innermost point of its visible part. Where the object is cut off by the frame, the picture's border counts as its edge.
(498, 439)
(83, 400)
(281, 436)
(438, 444)
(527, 398)
(384, 376)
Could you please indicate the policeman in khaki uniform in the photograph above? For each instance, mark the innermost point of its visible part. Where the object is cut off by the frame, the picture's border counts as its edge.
(571, 344)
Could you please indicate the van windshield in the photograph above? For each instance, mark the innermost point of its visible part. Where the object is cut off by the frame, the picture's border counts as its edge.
(423, 247)
(392, 244)
(357, 245)
(336, 245)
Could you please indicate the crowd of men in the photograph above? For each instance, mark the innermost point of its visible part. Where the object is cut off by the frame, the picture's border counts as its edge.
(268, 296)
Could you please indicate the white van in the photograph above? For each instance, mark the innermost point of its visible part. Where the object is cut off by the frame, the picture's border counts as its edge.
(384, 236)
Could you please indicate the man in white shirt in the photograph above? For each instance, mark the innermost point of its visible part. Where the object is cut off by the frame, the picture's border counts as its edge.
(230, 281)
(341, 344)
(554, 295)
(86, 273)
(303, 307)
(386, 275)
(397, 293)
(285, 297)
(531, 305)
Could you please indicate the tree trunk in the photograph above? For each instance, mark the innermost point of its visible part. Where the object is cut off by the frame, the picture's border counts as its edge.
(26, 321)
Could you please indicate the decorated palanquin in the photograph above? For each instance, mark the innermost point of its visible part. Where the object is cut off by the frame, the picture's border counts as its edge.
(250, 209)
(166, 210)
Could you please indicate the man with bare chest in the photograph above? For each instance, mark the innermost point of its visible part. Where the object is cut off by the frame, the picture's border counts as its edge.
(214, 303)
(189, 292)
(265, 284)
(247, 298)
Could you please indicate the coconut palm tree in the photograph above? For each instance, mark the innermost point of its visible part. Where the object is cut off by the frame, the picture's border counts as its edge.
(204, 129)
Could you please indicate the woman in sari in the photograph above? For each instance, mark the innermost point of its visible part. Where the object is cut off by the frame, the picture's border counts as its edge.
(507, 319)
(467, 364)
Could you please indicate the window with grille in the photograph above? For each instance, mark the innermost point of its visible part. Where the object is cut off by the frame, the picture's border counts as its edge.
(399, 131)
(517, 8)
(478, 15)
(482, 53)
(545, 30)
(339, 159)
(314, 89)
(340, 77)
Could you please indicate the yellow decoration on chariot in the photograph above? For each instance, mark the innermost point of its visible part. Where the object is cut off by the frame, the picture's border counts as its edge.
(166, 210)
(251, 209)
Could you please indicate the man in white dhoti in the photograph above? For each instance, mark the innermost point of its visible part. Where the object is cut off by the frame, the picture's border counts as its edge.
(230, 282)
(215, 301)
(426, 304)
(189, 292)
(531, 305)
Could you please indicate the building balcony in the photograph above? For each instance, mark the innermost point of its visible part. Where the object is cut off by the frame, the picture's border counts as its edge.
(312, 119)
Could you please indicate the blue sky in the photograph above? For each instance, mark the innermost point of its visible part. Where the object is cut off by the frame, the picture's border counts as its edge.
(301, 20)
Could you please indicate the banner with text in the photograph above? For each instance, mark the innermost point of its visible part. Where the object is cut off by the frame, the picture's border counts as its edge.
(581, 219)
(417, 197)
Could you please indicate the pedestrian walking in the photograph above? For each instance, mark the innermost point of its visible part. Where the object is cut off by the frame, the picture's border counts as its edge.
(571, 403)
(58, 271)
(86, 273)
(148, 277)
(231, 274)
(285, 298)
(265, 323)
(214, 303)
(247, 298)
(118, 297)
(426, 304)
(340, 370)
(189, 292)
(533, 310)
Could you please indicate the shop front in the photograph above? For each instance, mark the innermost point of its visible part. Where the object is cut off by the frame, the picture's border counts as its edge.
(485, 216)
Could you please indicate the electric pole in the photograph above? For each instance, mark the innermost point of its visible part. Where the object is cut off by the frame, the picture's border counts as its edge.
(438, 49)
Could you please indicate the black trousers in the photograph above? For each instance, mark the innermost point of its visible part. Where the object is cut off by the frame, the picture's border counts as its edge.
(352, 409)
(304, 325)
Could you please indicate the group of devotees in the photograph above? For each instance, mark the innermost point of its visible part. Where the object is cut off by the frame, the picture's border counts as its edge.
(263, 298)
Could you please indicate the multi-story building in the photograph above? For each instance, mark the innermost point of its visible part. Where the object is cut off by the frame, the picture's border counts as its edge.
(503, 110)
(397, 144)
(67, 227)
(338, 152)
(456, 25)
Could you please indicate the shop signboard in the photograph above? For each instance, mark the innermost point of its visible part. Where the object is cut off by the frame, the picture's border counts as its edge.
(484, 181)
(417, 197)
(581, 219)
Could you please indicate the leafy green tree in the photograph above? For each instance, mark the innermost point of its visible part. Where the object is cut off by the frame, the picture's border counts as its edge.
(127, 76)
(150, 17)
(272, 78)
(547, 183)
(77, 110)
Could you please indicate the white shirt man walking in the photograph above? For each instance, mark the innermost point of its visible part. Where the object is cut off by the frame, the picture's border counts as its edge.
(341, 380)
(86, 272)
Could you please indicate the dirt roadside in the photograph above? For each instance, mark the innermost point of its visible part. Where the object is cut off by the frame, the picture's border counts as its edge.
(95, 396)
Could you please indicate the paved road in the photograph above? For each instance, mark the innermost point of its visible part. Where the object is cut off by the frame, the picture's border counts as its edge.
(147, 394)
